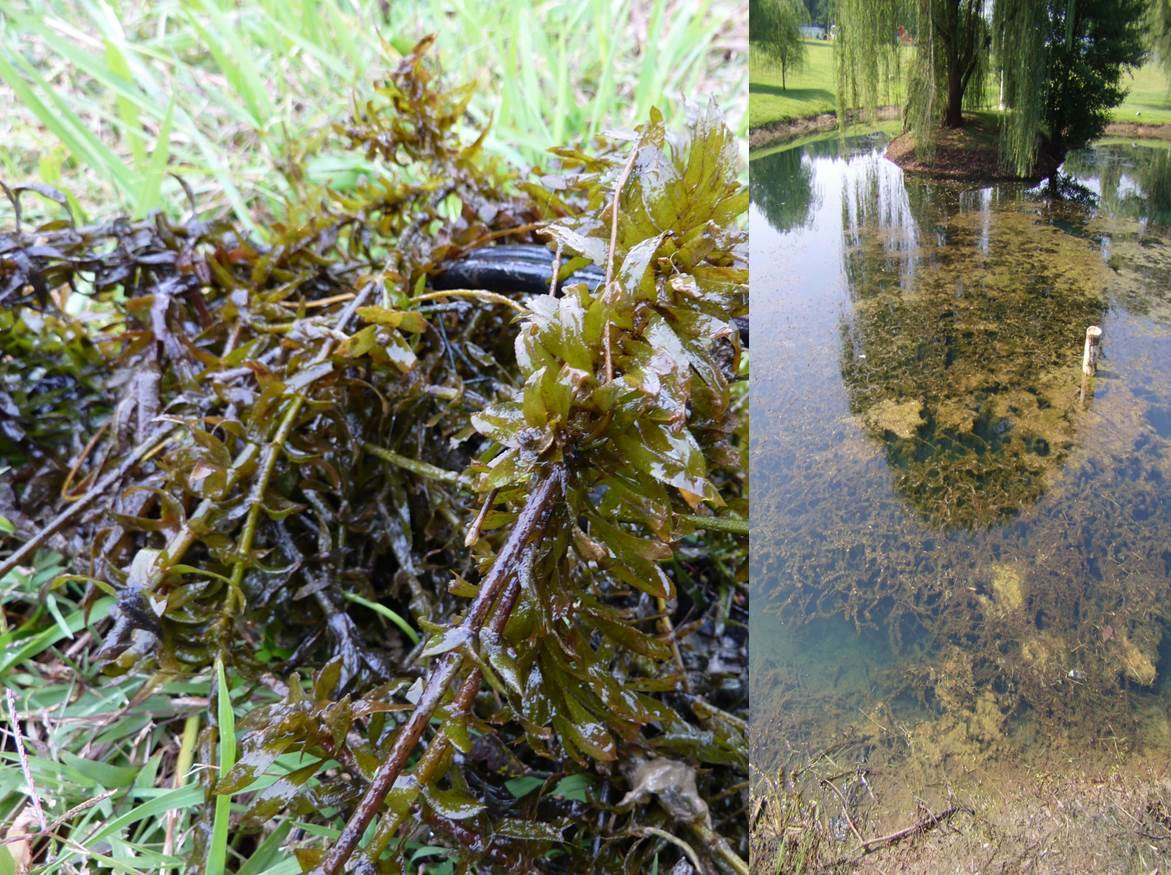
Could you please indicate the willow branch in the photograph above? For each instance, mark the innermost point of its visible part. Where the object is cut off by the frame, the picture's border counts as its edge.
(529, 524)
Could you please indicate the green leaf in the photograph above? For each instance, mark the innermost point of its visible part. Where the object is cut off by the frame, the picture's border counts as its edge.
(574, 787)
(448, 639)
(523, 786)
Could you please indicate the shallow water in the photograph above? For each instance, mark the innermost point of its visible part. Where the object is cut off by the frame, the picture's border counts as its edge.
(960, 548)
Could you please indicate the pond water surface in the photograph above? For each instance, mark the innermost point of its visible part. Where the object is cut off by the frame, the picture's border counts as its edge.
(961, 549)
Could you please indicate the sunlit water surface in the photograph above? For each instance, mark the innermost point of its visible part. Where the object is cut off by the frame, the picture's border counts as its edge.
(960, 547)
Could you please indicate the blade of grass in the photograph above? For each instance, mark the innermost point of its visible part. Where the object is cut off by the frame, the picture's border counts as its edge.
(384, 611)
(65, 124)
(46, 638)
(233, 60)
(268, 852)
(226, 720)
(150, 194)
(149, 96)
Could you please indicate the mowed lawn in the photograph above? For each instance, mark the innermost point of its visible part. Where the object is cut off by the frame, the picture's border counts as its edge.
(1149, 100)
(811, 90)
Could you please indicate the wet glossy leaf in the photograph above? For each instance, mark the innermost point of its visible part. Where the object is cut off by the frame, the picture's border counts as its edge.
(315, 414)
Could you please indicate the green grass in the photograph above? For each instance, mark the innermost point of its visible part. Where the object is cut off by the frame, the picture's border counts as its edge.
(891, 128)
(106, 99)
(117, 766)
(811, 90)
(1149, 100)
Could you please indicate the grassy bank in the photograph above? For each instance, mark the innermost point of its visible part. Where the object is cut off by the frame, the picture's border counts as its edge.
(811, 90)
(1149, 100)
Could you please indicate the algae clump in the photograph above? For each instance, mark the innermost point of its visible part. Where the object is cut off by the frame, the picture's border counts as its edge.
(1136, 664)
(901, 418)
(1008, 585)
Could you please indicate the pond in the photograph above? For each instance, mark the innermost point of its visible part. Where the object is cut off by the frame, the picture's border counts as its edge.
(961, 548)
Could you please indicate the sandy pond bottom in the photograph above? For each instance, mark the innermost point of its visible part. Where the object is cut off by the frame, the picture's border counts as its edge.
(961, 548)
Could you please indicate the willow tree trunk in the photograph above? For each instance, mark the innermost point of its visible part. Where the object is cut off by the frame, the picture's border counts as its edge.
(954, 117)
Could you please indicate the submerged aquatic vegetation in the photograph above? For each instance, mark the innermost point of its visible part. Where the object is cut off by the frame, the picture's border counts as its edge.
(975, 406)
(966, 547)
(277, 445)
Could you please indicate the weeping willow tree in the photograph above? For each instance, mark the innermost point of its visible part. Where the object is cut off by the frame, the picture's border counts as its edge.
(866, 51)
(1060, 64)
(1159, 31)
(950, 65)
(774, 28)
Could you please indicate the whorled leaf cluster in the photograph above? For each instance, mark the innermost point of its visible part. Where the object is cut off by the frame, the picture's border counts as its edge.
(256, 445)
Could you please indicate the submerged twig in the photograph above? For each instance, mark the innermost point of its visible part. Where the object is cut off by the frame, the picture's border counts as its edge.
(931, 821)
(845, 811)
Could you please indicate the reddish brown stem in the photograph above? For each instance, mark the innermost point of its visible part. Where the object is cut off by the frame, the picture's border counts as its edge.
(529, 523)
(425, 769)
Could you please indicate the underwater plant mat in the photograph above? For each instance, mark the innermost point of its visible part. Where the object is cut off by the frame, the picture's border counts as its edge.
(501, 536)
(960, 564)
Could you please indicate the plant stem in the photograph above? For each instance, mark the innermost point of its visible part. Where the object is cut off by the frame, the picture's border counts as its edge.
(255, 502)
(530, 523)
(415, 466)
(425, 770)
(625, 175)
(489, 297)
(719, 846)
(181, 541)
(157, 439)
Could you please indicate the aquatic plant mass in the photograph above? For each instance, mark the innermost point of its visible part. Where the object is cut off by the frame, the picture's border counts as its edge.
(468, 567)
(960, 540)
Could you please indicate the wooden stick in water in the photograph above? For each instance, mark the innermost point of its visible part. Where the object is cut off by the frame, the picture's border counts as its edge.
(1092, 349)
